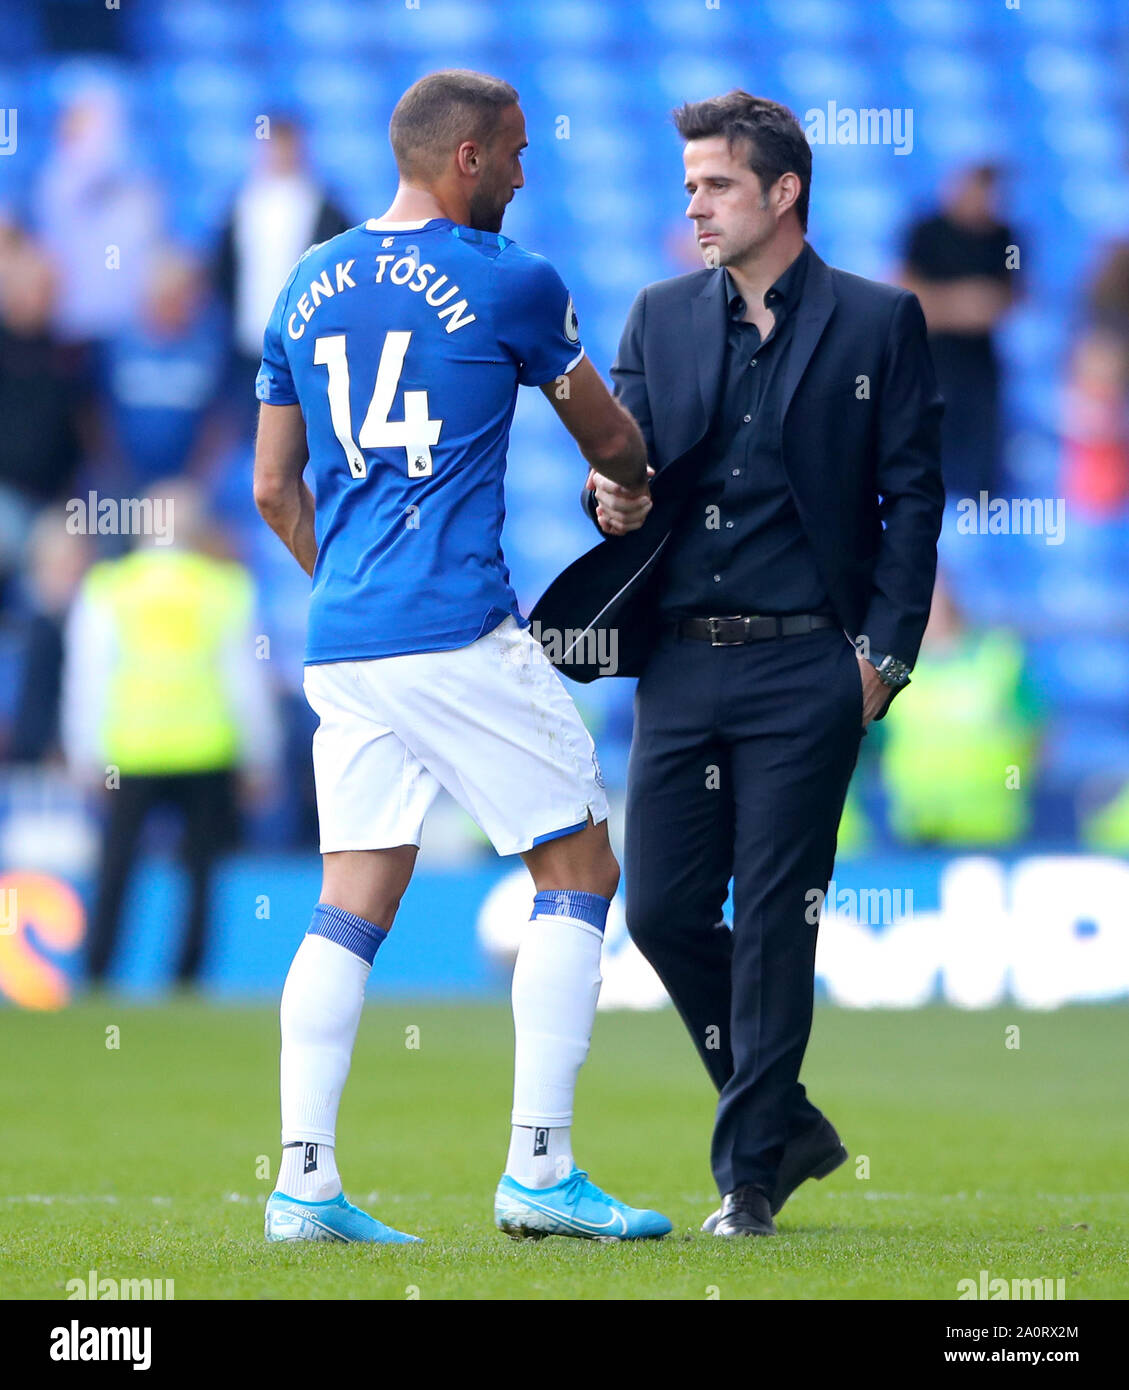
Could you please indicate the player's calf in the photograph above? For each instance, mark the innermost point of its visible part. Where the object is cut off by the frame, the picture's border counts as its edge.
(556, 985)
(321, 1009)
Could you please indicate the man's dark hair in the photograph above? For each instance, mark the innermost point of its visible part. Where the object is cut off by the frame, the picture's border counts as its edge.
(441, 110)
(989, 174)
(774, 137)
(284, 123)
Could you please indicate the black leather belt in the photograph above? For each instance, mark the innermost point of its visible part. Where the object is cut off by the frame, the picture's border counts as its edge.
(735, 631)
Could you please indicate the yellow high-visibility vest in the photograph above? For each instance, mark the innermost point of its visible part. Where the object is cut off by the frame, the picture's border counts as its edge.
(960, 744)
(171, 612)
(1106, 830)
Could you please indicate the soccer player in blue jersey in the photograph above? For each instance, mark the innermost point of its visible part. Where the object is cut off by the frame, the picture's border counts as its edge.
(390, 368)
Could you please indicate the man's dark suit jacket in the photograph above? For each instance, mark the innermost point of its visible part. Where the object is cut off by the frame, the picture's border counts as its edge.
(860, 444)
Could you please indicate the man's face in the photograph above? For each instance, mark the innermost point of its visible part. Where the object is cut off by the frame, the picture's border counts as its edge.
(727, 204)
(282, 153)
(499, 172)
(973, 199)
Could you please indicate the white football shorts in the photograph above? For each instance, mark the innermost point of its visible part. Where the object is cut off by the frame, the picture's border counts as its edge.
(490, 722)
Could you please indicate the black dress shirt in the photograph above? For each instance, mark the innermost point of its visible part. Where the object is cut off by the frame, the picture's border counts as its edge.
(739, 547)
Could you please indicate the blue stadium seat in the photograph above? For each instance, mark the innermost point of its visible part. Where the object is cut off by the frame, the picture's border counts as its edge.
(1084, 674)
(1077, 749)
(1069, 23)
(194, 28)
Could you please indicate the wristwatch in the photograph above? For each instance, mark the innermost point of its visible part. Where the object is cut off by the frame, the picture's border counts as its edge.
(890, 670)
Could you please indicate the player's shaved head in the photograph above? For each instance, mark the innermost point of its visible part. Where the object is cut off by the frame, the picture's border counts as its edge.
(440, 111)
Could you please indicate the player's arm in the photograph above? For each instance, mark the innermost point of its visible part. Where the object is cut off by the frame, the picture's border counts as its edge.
(614, 509)
(605, 433)
(613, 445)
(284, 501)
(539, 327)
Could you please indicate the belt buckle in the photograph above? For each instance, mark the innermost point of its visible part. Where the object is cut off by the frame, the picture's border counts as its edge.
(715, 641)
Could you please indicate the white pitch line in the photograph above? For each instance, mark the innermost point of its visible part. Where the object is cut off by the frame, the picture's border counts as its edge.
(971, 1196)
(86, 1199)
(388, 1198)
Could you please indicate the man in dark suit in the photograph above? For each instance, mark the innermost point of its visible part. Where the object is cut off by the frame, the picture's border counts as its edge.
(770, 591)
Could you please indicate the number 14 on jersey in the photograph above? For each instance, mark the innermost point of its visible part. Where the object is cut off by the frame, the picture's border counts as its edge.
(415, 433)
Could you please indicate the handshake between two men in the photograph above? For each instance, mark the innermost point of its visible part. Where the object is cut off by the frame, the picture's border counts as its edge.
(620, 509)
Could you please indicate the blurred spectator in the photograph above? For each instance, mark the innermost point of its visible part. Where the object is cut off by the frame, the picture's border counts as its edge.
(856, 835)
(1108, 298)
(280, 212)
(1096, 424)
(1096, 416)
(39, 442)
(56, 561)
(956, 262)
(161, 685)
(960, 747)
(163, 373)
(97, 217)
(12, 237)
(680, 248)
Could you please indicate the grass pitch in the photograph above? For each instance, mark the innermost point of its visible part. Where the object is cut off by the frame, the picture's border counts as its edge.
(153, 1159)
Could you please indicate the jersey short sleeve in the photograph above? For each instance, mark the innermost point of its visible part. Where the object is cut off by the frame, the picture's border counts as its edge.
(537, 323)
(274, 384)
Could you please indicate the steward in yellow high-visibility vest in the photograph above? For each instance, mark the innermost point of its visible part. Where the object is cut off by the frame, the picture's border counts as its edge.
(960, 745)
(165, 704)
(170, 618)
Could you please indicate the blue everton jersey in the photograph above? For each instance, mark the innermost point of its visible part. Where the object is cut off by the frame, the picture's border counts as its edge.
(404, 344)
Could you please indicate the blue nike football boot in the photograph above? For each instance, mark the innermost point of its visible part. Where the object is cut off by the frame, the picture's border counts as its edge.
(573, 1207)
(287, 1218)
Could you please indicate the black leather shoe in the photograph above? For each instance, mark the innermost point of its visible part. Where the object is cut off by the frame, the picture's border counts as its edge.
(812, 1155)
(745, 1212)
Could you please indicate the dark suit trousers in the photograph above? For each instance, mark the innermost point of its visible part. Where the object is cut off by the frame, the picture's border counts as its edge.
(739, 768)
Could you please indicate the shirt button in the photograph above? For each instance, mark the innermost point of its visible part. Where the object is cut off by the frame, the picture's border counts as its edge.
(736, 472)
(729, 526)
(747, 419)
(753, 363)
(717, 579)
